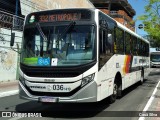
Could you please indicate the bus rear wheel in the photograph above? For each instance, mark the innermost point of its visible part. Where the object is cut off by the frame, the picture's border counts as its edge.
(113, 97)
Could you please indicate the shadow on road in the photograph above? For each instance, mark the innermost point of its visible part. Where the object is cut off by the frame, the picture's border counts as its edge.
(76, 110)
(64, 110)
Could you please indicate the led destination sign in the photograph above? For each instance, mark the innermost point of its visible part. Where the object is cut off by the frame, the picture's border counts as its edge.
(59, 16)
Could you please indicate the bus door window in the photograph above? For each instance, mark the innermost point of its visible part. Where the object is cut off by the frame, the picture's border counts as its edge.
(109, 42)
(102, 41)
(105, 46)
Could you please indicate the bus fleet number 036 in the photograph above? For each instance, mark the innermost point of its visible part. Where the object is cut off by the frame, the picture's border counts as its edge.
(61, 87)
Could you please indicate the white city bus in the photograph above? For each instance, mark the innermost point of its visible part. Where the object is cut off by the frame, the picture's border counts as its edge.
(79, 55)
(155, 57)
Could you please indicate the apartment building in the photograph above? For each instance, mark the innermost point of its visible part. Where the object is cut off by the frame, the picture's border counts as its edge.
(120, 10)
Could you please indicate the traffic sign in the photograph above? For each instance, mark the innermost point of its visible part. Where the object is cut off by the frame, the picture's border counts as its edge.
(140, 26)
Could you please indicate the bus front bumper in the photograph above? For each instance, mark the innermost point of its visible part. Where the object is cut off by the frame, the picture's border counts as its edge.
(85, 94)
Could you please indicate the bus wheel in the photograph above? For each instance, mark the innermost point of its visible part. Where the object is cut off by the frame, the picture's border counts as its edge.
(113, 97)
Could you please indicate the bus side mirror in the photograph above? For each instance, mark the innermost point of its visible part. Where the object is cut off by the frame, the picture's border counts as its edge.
(12, 39)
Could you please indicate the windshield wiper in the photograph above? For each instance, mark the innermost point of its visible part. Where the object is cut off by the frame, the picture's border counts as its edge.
(69, 27)
(41, 32)
(66, 30)
(43, 36)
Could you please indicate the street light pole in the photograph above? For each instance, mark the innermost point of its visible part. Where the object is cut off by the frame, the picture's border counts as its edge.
(16, 10)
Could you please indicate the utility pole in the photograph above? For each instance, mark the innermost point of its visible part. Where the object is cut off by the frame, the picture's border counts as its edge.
(15, 25)
(16, 11)
(109, 5)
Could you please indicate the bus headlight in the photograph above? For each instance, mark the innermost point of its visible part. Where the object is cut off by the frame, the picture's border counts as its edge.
(87, 80)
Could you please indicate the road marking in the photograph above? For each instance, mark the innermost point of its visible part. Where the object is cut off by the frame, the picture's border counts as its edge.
(150, 101)
(16, 118)
(8, 93)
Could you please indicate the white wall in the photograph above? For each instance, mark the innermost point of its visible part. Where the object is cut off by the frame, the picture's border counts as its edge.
(8, 58)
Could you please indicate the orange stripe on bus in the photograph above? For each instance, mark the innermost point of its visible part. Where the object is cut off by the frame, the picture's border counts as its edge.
(124, 68)
(126, 64)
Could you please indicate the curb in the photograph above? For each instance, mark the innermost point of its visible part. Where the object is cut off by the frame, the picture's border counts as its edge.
(9, 93)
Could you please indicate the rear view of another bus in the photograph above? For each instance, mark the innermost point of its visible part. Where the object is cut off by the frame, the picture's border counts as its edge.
(155, 57)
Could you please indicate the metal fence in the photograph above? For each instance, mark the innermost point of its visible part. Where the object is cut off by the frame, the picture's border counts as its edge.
(10, 21)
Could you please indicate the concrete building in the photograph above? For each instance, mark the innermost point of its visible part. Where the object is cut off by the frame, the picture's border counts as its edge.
(120, 10)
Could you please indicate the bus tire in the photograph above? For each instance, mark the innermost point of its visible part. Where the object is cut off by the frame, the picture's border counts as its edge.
(113, 97)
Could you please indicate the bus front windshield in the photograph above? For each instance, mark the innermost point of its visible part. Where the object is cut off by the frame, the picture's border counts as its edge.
(155, 57)
(67, 45)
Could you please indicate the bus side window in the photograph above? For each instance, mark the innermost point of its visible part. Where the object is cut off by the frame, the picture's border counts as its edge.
(119, 41)
(127, 43)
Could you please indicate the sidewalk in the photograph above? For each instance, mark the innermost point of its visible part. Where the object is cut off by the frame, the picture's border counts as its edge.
(8, 88)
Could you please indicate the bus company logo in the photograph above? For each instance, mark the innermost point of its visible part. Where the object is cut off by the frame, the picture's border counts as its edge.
(49, 87)
(49, 80)
(38, 87)
(32, 19)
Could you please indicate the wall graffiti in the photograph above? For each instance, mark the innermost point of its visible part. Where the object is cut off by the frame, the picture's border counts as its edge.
(7, 60)
(2, 40)
(8, 57)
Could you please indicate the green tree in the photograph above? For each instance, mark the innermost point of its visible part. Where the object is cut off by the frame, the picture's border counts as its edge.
(151, 19)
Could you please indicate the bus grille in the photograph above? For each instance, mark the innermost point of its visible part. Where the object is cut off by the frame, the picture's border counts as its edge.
(57, 72)
(51, 74)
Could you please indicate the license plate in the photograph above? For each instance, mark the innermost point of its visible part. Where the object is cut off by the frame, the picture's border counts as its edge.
(48, 99)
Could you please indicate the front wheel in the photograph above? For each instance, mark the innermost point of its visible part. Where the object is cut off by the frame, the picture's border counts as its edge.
(113, 97)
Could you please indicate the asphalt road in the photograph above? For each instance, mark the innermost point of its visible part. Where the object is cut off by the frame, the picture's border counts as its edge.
(133, 99)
